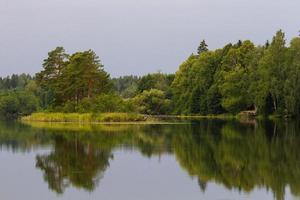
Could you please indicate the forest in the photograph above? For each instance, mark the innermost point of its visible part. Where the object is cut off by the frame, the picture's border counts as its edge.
(239, 77)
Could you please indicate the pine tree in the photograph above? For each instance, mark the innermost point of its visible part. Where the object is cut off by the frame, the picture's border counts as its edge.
(267, 44)
(203, 47)
(84, 77)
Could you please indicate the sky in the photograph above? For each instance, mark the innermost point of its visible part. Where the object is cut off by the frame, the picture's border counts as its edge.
(134, 36)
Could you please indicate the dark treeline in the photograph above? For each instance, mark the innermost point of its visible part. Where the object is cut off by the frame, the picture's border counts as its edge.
(235, 78)
(18, 95)
(15, 81)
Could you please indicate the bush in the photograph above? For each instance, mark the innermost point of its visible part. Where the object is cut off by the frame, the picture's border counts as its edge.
(14, 104)
(152, 102)
(108, 103)
(69, 107)
(105, 103)
(9, 106)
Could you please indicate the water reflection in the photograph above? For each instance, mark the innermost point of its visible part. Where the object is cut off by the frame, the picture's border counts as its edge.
(240, 156)
(73, 163)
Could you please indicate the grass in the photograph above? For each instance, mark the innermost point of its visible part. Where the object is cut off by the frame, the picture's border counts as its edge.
(85, 117)
(120, 118)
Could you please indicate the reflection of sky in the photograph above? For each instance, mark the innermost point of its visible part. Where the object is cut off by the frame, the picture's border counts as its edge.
(134, 36)
(129, 177)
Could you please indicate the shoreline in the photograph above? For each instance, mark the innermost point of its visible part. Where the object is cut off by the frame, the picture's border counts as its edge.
(132, 118)
(119, 118)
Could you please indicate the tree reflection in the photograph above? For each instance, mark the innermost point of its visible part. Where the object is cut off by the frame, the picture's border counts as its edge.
(241, 156)
(80, 158)
(72, 162)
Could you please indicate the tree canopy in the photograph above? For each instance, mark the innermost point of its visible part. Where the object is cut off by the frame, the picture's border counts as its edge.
(238, 77)
(72, 78)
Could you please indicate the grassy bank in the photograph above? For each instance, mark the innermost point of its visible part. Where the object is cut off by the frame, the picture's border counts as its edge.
(119, 118)
(85, 117)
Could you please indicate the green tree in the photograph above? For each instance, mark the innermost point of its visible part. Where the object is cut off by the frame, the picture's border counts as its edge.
(182, 86)
(17, 103)
(292, 84)
(192, 82)
(49, 79)
(83, 77)
(71, 78)
(235, 78)
(272, 70)
(158, 81)
(152, 102)
(126, 86)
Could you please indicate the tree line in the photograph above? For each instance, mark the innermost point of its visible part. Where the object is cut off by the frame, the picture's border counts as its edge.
(15, 81)
(17, 96)
(241, 77)
(238, 77)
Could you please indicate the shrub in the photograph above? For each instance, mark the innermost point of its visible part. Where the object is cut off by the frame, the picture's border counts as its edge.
(105, 103)
(14, 104)
(152, 102)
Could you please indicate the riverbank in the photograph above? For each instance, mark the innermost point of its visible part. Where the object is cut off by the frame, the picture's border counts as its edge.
(131, 118)
(85, 117)
(115, 118)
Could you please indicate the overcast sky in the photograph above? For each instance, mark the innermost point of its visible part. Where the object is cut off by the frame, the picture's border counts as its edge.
(134, 36)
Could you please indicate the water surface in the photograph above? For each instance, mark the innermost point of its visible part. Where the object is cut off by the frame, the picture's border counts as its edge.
(207, 159)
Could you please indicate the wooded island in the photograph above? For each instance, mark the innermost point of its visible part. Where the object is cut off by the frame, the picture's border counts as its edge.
(263, 79)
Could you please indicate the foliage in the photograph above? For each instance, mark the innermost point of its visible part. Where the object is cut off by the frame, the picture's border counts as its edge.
(157, 81)
(99, 104)
(72, 78)
(126, 86)
(152, 102)
(272, 72)
(235, 77)
(14, 104)
(202, 47)
(192, 83)
(240, 77)
(15, 81)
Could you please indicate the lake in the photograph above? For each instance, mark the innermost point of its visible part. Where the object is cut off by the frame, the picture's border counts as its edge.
(206, 159)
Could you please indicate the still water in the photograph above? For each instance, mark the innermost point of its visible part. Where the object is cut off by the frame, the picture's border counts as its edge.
(208, 159)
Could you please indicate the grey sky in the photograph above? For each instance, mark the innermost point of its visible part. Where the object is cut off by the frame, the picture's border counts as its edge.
(134, 36)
